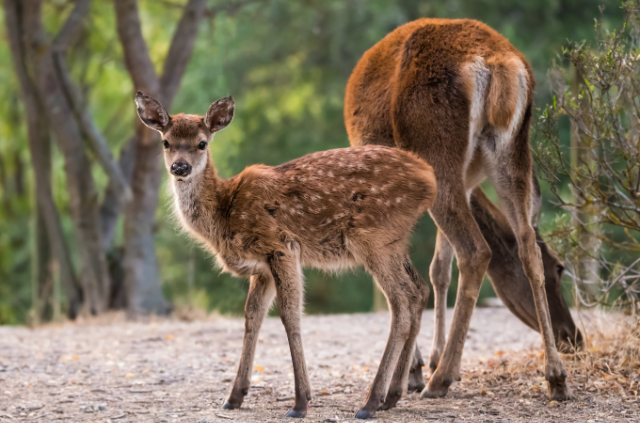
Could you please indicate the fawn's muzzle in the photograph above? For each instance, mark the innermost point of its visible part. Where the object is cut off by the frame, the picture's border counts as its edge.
(181, 169)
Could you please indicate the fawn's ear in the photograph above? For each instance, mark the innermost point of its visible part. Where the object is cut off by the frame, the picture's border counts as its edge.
(151, 112)
(220, 114)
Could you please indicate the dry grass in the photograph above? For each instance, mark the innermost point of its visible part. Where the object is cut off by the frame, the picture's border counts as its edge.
(608, 367)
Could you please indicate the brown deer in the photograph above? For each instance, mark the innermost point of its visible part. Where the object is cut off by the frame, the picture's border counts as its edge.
(330, 210)
(459, 95)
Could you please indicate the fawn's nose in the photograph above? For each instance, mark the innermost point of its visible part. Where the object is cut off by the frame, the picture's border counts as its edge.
(181, 169)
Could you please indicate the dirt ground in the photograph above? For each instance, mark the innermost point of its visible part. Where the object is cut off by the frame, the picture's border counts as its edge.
(170, 370)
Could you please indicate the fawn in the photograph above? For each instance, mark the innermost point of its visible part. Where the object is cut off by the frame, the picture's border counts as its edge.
(459, 95)
(330, 210)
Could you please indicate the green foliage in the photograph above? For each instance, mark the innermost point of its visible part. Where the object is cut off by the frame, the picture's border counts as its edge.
(597, 177)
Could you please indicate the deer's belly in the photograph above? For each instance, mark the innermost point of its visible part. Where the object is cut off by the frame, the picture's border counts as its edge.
(240, 266)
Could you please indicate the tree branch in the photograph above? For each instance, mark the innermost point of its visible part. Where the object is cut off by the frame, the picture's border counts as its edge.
(136, 53)
(181, 48)
(72, 25)
(97, 142)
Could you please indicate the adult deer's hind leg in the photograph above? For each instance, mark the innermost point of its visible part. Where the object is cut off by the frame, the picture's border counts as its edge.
(440, 273)
(259, 299)
(512, 180)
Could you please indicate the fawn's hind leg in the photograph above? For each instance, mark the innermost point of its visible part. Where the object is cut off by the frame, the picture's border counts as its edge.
(405, 299)
(401, 374)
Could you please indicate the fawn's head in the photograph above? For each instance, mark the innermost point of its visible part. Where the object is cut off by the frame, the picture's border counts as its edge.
(185, 137)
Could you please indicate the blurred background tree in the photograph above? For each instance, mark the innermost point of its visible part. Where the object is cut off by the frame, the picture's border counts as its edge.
(285, 62)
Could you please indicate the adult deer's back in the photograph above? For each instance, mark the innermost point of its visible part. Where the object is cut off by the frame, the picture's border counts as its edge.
(459, 95)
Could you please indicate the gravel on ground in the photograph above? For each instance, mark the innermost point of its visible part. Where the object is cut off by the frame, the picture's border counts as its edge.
(168, 370)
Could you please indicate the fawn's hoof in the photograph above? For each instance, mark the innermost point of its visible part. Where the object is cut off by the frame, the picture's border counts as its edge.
(294, 414)
(364, 414)
(559, 389)
(228, 406)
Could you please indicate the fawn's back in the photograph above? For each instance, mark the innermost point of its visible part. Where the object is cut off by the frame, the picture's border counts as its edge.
(329, 203)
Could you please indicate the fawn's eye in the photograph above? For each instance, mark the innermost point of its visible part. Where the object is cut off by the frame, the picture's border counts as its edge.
(560, 269)
(165, 143)
(202, 145)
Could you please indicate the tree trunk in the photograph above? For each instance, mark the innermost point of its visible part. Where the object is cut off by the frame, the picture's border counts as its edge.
(144, 293)
(37, 127)
(82, 192)
(111, 205)
(586, 265)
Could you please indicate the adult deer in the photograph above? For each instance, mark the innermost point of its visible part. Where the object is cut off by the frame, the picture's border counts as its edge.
(329, 210)
(459, 95)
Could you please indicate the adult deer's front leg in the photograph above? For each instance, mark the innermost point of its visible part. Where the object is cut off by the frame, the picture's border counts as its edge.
(453, 217)
(259, 299)
(440, 273)
(416, 378)
(287, 275)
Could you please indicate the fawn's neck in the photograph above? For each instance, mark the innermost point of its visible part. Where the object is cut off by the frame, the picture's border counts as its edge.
(196, 197)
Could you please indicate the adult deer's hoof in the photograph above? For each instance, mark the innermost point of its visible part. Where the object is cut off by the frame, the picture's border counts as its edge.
(391, 400)
(416, 379)
(436, 388)
(364, 414)
(228, 406)
(294, 414)
(416, 383)
(559, 389)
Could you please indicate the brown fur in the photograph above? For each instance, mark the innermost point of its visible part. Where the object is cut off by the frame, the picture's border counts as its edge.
(456, 93)
(330, 210)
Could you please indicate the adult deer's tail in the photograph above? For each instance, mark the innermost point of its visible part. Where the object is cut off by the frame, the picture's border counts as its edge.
(502, 100)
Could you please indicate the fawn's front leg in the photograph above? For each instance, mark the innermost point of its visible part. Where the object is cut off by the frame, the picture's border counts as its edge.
(259, 299)
(287, 274)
